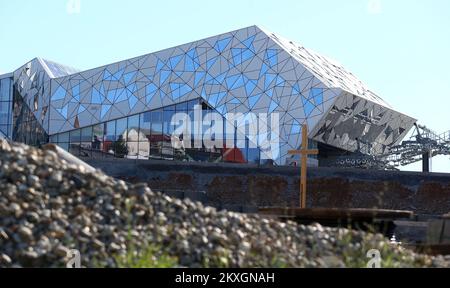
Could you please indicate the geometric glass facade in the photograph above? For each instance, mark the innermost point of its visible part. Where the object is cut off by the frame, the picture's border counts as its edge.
(6, 100)
(147, 135)
(26, 128)
(124, 109)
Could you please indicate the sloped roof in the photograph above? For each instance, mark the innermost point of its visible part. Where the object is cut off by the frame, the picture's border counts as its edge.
(56, 70)
(329, 71)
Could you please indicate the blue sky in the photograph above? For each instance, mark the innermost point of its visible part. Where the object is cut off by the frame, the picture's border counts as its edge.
(399, 48)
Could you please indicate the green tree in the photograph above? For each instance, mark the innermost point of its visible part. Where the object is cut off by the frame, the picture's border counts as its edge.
(120, 148)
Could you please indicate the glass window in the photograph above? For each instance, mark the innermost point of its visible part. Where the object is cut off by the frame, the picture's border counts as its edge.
(156, 123)
(54, 138)
(5, 107)
(75, 136)
(86, 134)
(145, 135)
(168, 127)
(157, 115)
(192, 103)
(120, 147)
(63, 138)
(4, 118)
(109, 138)
(144, 123)
(110, 133)
(182, 107)
(5, 93)
(97, 136)
(121, 129)
(156, 138)
(98, 130)
(133, 128)
(167, 151)
(86, 142)
(4, 129)
(64, 146)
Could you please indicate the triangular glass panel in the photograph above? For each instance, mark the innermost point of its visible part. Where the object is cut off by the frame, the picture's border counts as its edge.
(239, 83)
(132, 87)
(253, 100)
(189, 65)
(247, 54)
(76, 93)
(105, 109)
(280, 81)
(271, 57)
(249, 43)
(231, 80)
(273, 105)
(63, 111)
(219, 79)
(150, 92)
(107, 75)
(235, 101)
(268, 80)
(96, 97)
(264, 69)
(174, 61)
(192, 53)
(121, 95)
(127, 77)
(59, 94)
(132, 100)
(308, 107)
(222, 44)
(81, 109)
(237, 55)
(215, 99)
(317, 95)
(159, 65)
(118, 74)
(198, 77)
(296, 128)
(295, 89)
(111, 96)
(222, 109)
(163, 76)
(211, 62)
(250, 86)
(184, 89)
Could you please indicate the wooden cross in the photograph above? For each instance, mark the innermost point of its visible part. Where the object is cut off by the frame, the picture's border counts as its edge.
(304, 152)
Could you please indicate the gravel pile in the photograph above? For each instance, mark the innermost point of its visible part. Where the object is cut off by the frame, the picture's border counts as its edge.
(49, 206)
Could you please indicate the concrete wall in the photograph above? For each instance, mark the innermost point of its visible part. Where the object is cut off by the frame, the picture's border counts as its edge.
(244, 187)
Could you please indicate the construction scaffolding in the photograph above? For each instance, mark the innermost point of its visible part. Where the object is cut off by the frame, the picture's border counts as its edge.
(423, 145)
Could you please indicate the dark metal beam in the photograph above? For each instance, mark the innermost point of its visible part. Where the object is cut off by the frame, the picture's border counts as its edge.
(426, 162)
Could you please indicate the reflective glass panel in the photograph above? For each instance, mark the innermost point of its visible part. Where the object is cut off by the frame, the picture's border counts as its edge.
(75, 136)
(145, 135)
(157, 137)
(64, 137)
(121, 129)
(97, 137)
(110, 133)
(133, 128)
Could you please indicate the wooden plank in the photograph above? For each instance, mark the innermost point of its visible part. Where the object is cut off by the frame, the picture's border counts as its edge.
(336, 213)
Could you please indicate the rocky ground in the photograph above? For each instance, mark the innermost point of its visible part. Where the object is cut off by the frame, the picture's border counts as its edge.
(49, 206)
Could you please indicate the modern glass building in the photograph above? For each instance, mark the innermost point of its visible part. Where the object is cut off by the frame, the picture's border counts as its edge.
(125, 109)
